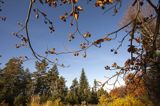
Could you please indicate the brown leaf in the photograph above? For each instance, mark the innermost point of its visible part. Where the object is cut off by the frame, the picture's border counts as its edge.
(18, 46)
(98, 41)
(79, 8)
(132, 49)
(74, 1)
(76, 15)
(114, 64)
(138, 40)
(63, 18)
(87, 35)
(52, 51)
(127, 62)
(99, 3)
(110, 1)
(107, 39)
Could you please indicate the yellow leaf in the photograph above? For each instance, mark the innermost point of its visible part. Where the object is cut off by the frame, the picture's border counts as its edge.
(111, 1)
(32, 1)
(74, 1)
(79, 8)
(76, 15)
(107, 39)
(87, 35)
(99, 3)
(63, 18)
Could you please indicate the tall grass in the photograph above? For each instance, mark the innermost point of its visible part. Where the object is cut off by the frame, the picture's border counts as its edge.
(35, 101)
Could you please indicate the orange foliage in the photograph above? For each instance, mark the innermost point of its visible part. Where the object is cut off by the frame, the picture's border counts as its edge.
(118, 92)
(135, 86)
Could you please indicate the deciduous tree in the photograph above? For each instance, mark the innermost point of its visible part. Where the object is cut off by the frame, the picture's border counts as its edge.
(143, 30)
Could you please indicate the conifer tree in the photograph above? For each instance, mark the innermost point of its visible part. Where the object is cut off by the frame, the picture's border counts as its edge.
(83, 88)
(13, 83)
(93, 99)
(40, 84)
(72, 95)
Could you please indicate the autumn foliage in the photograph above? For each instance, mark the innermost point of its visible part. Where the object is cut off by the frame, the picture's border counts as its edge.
(140, 71)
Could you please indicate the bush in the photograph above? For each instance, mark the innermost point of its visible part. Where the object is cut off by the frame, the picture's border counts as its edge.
(20, 100)
(104, 100)
(49, 103)
(35, 101)
(126, 101)
(57, 102)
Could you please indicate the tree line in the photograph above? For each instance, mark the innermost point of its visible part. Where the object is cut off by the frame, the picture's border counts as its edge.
(18, 86)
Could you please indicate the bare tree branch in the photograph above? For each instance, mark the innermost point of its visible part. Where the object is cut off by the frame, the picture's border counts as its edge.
(155, 8)
(26, 29)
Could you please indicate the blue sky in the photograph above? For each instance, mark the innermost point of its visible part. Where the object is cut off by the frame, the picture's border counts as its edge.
(92, 20)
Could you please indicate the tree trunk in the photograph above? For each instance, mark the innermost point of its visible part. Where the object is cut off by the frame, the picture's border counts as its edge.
(152, 82)
(152, 77)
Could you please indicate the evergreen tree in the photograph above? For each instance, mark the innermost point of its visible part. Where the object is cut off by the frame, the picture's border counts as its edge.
(72, 95)
(52, 77)
(93, 99)
(40, 84)
(24, 97)
(83, 88)
(95, 84)
(101, 92)
(61, 88)
(74, 86)
(56, 87)
(13, 83)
